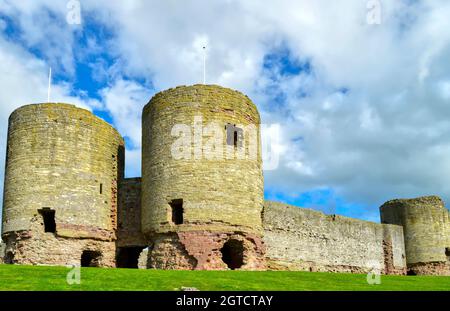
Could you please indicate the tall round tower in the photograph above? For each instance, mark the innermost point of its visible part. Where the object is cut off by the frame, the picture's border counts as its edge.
(60, 197)
(202, 182)
(426, 227)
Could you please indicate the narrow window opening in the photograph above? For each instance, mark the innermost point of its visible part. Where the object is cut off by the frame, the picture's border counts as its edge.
(447, 253)
(101, 188)
(48, 216)
(233, 254)
(234, 135)
(90, 259)
(177, 211)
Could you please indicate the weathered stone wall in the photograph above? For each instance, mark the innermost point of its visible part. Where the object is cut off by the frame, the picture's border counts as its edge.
(303, 239)
(202, 250)
(218, 194)
(2, 251)
(218, 178)
(65, 159)
(426, 228)
(59, 157)
(35, 247)
(129, 231)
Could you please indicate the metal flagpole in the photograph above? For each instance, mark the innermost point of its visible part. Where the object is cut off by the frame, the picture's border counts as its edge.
(204, 65)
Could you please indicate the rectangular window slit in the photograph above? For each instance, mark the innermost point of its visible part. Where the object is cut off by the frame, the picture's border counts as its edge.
(101, 188)
(177, 211)
(48, 216)
(235, 135)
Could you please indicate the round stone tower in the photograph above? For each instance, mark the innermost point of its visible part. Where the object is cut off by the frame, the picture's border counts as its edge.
(202, 182)
(426, 228)
(60, 197)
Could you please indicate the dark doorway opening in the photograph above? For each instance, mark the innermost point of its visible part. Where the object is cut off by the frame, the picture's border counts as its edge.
(48, 216)
(128, 257)
(177, 211)
(233, 254)
(9, 258)
(447, 253)
(90, 258)
(411, 272)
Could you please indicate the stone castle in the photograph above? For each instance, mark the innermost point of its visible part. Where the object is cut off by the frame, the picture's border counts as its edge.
(67, 202)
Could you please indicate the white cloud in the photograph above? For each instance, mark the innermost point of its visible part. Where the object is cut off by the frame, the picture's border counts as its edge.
(43, 26)
(125, 101)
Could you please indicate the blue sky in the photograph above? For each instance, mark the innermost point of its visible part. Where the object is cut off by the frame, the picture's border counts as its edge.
(363, 109)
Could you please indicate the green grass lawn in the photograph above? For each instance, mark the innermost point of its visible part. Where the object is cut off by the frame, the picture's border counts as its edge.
(25, 278)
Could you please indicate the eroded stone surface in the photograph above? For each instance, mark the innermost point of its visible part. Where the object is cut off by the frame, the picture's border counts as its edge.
(426, 226)
(429, 268)
(35, 247)
(303, 239)
(63, 166)
(65, 159)
(202, 251)
(129, 231)
(219, 193)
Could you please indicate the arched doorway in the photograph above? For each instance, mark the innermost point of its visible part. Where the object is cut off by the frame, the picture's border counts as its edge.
(233, 254)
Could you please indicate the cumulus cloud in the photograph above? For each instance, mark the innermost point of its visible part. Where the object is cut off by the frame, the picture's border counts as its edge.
(41, 25)
(363, 109)
(124, 101)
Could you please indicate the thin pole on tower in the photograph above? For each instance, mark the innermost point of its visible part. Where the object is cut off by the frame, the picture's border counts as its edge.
(204, 65)
(49, 84)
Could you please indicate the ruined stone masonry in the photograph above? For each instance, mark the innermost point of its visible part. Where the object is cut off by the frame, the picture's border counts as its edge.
(66, 201)
(303, 239)
(219, 200)
(61, 181)
(426, 226)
